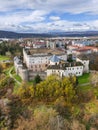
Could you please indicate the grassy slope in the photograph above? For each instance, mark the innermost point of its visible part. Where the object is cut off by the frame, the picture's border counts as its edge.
(4, 58)
(85, 88)
(84, 79)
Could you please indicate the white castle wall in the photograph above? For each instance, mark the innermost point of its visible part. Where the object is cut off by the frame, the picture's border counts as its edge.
(77, 70)
(85, 63)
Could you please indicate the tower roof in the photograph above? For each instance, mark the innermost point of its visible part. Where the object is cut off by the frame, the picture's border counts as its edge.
(54, 58)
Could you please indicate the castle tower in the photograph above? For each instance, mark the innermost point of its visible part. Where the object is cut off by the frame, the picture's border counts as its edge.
(85, 65)
(24, 75)
(54, 60)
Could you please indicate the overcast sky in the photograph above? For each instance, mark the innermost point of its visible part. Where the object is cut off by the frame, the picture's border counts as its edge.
(48, 15)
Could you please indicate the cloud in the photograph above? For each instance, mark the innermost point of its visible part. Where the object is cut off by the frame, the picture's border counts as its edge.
(71, 6)
(20, 17)
(61, 25)
(54, 18)
(50, 26)
(47, 15)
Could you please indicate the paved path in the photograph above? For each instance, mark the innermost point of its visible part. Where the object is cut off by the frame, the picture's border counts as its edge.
(93, 83)
(10, 74)
(84, 84)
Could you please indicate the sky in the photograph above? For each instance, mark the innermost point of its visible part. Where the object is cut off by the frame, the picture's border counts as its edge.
(41, 16)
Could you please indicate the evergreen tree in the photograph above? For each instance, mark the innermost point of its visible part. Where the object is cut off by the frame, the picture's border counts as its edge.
(37, 79)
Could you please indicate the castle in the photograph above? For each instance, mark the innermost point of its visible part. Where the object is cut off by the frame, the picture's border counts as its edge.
(44, 62)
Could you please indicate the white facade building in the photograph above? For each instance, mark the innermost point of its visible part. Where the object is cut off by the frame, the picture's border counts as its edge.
(65, 69)
(85, 64)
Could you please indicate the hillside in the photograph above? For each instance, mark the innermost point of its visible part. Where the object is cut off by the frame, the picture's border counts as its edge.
(9, 34)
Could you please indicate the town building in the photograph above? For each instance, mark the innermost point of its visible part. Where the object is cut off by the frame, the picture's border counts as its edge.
(77, 50)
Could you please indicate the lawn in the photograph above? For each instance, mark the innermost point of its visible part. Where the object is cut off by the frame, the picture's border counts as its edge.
(84, 78)
(17, 77)
(2, 58)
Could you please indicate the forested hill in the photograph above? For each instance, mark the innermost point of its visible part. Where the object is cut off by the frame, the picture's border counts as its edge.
(9, 34)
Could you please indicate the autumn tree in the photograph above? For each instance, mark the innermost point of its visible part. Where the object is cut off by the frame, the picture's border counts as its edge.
(94, 79)
(69, 92)
(1, 68)
(26, 92)
(49, 90)
(43, 118)
(6, 82)
(54, 87)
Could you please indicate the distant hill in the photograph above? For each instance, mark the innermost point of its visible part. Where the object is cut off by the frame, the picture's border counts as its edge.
(8, 34)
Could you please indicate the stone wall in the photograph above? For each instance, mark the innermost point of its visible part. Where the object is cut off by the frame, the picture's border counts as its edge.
(33, 74)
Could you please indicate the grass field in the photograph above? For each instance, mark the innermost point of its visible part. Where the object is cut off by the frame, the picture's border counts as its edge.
(2, 58)
(84, 78)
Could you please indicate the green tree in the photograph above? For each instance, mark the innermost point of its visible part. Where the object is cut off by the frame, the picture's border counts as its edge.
(37, 79)
(70, 59)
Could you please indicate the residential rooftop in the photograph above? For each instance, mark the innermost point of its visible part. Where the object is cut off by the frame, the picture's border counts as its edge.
(44, 51)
